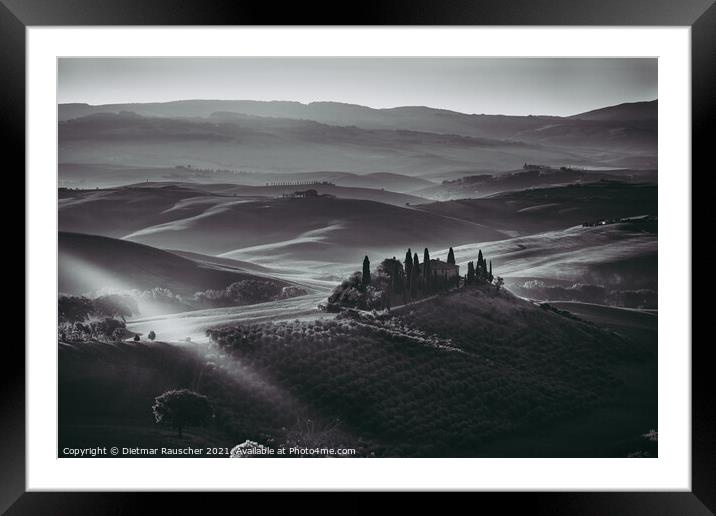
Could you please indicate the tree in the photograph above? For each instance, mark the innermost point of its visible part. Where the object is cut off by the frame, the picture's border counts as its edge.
(180, 408)
(408, 269)
(114, 305)
(416, 272)
(136, 338)
(152, 335)
(490, 277)
(499, 282)
(426, 268)
(394, 269)
(451, 257)
(480, 268)
(73, 308)
(470, 273)
(366, 272)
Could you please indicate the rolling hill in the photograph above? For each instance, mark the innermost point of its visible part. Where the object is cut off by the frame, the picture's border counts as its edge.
(263, 231)
(99, 175)
(417, 118)
(90, 263)
(536, 210)
(448, 376)
(275, 191)
(623, 112)
(289, 137)
(468, 374)
(483, 185)
(160, 282)
(286, 146)
(612, 264)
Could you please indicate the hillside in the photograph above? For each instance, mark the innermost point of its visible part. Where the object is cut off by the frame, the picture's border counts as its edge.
(335, 113)
(544, 209)
(282, 145)
(293, 137)
(486, 184)
(622, 256)
(271, 191)
(627, 111)
(115, 212)
(260, 231)
(93, 175)
(160, 281)
(446, 376)
(463, 375)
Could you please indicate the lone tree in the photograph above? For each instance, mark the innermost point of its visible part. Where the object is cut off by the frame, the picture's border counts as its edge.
(366, 272)
(180, 408)
(451, 257)
(426, 268)
(152, 335)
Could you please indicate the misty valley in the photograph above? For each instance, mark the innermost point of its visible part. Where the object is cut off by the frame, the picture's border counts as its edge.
(405, 282)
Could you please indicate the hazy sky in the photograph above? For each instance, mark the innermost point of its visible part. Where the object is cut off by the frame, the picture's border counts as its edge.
(520, 86)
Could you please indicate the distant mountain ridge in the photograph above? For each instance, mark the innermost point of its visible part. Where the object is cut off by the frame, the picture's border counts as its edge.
(416, 118)
(290, 137)
(627, 111)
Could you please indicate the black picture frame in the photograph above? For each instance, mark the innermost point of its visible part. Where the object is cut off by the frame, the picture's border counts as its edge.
(17, 15)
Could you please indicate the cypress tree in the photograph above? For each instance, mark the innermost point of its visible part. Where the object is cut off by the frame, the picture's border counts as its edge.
(479, 269)
(470, 273)
(408, 269)
(490, 276)
(366, 272)
(426, 267)
(416, 273)
(396, 278)
(451, 257)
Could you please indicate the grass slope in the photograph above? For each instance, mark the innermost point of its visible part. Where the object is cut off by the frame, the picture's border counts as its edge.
(445, 377)
(327, 229)
(543, 209)
(89, 262)
(471, 373)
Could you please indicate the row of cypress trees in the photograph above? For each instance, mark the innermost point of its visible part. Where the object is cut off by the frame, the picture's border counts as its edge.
(479, 273)
(409, 278)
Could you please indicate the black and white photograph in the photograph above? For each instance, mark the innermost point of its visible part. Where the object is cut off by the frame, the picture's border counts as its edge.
(316, 257)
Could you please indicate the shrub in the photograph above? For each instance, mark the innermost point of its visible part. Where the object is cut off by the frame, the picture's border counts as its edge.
(351, 293)
(246, 292)
(74, 308)
(115, 305)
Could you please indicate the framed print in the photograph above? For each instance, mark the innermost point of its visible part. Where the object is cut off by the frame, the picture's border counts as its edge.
(417, 253)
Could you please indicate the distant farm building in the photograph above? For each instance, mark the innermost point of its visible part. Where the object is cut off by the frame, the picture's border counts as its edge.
(305, 194)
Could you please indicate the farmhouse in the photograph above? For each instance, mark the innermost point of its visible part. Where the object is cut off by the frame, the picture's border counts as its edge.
(311, 193)
(442, 270)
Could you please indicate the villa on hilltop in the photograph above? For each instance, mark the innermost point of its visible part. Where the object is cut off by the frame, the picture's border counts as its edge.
(395, 282)
(441, 270)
